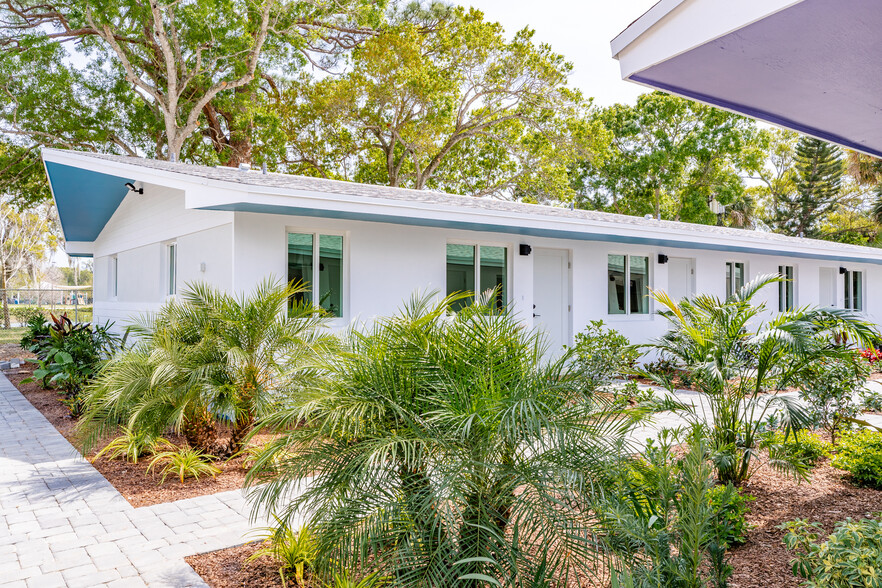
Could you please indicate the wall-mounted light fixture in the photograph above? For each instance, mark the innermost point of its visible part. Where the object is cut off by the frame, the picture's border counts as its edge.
(662, 258)
(132, 187)
(842, 270)
(525, 249)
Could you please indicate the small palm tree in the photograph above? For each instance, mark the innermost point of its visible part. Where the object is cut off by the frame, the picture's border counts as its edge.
(210, 358)
(734, 356)
(446, 449)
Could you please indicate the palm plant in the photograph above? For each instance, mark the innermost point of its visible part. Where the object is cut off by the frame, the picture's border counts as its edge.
(446, 449)
(734, 356)
(206, 359)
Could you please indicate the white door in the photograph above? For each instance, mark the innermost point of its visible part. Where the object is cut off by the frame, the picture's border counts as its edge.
(827, 284)
(551, 296)
(681, 277)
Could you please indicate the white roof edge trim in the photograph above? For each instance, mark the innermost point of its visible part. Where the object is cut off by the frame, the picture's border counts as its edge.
(643, 23)
(686, 25)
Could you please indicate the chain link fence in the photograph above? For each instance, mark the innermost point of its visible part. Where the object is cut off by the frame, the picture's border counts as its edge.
(75, 301)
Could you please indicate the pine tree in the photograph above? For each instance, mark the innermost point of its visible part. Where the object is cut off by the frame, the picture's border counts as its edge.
(819, 169)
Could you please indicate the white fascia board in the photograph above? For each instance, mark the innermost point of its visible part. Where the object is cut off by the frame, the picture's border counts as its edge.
(79, 248)
(674, 27)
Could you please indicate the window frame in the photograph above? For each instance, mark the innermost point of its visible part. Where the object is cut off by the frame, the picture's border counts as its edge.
(784, 286)
(316, 255)
(650, 269)
(477, 244)
(744, 275)
(114, 277)
(171, 268)
(848, 283)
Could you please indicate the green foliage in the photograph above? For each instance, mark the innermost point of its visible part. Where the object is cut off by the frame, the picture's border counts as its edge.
(829, 387)
(37, 331)
(603, 354)
(209, 358)
(872, 401)
(851, 557)
(296, 551)
(734, 357)
(667, 523)
(26, 313)
(860, 454)
(344, 581)
(671, 157)
(803, 445)
(132, 445)
(443, 447)
(183, 463)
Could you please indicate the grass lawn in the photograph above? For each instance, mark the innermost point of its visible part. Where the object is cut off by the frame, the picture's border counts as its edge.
(12, 335)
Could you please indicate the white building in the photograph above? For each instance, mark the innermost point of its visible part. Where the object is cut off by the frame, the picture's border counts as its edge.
(366, 249)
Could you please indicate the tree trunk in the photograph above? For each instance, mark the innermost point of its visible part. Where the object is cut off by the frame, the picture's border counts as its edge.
(199, 431)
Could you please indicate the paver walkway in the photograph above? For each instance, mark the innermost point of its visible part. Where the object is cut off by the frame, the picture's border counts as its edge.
(63, 524)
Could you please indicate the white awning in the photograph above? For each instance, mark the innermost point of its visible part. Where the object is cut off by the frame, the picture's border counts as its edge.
(812, 66)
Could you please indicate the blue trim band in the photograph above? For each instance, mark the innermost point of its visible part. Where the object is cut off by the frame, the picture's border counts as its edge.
(527, 231)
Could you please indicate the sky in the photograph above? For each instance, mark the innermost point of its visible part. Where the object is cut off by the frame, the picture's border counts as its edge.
(581, 31)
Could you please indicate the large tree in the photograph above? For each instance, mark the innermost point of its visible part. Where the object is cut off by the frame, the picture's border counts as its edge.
(817, 189)
(442, 99)
(669, 157)
(185, 69)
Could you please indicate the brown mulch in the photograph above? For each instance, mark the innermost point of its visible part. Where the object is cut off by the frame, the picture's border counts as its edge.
(827, 498)
(131, 480)
(227, 568)
(13, 351)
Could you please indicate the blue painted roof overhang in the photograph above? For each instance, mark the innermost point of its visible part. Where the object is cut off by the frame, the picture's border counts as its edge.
(85, 199)
(814, 66)
(609, 236)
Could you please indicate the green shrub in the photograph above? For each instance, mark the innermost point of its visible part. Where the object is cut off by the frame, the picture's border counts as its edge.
(860, 454)
(730, 506)
(132, 445)
(872, 401)
(805, 446)
(342, 580)
(36, 330)
(294, 550)
(828, 388)
(603, 354)
(184, 463)
(24, 314)
(851, 557)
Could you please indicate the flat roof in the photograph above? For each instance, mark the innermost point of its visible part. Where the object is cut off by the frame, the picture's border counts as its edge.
(87, 186)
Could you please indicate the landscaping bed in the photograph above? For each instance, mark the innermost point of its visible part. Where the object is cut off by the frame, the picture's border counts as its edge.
(227, 568)
(131, 479)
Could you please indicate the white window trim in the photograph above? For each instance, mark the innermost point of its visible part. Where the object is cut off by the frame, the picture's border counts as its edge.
(477, 244)
(650, 303)
(114, 277)
(343, 318)
(171, 269)
(846, 277)
(792, 284)
(746, 274)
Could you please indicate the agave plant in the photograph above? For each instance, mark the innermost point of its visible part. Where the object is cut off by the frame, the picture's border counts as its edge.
(735, 356)
(209, 359)
(445, 449)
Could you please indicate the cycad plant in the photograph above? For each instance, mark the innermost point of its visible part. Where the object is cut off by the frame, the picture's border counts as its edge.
(207, 359)
(734, 355)
(446, 449)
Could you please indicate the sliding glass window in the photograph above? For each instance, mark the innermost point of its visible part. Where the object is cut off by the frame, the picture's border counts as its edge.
(325, 287)
(627, 284)
(785, 288)
(489, 273)
(854, 290)
(735, 275)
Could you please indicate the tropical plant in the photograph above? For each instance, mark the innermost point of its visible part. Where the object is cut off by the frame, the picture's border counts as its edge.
(735, 356)
(604, 353)
(851, 557)
(184, 462)
(860, 454)
(871, 401)
(209, 359)
(804, 445)
(446, 449)
(132, 445)
(666, 522)
(344, 581)
(830, 389)
(296, 551)
(729, 506)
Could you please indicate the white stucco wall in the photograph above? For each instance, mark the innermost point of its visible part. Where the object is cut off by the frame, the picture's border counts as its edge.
(384, 264)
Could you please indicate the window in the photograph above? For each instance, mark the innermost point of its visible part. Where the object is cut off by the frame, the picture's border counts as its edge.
(854, 290)
(785, 289)
(484, 266)
(734, 277)
(325, 287)
(114, 276)
(628, 288)
(172, 269)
